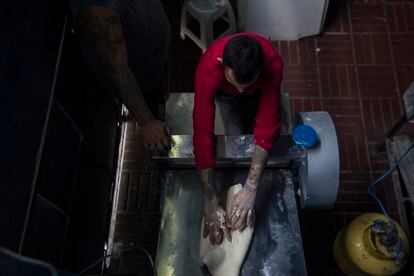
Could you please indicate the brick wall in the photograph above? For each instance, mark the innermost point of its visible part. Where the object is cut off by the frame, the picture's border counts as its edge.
(357, 70)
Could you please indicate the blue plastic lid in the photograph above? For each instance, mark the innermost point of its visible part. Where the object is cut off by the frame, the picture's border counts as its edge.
(304, 136)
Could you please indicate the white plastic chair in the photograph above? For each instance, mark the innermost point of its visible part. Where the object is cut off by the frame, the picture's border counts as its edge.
(206, 12)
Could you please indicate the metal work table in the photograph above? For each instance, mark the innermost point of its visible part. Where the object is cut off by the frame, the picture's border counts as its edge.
(276, 247)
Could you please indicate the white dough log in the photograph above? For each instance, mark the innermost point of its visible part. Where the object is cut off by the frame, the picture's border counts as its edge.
(227, 258)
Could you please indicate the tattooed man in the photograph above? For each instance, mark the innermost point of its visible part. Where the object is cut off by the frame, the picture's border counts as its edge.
(126, 44)
(245, 71)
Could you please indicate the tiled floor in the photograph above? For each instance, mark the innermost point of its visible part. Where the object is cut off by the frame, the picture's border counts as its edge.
(357, 70)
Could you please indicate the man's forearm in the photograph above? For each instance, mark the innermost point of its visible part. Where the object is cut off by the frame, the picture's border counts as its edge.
(256, 169)
(130, 93)
(102, 26)
(207, 184)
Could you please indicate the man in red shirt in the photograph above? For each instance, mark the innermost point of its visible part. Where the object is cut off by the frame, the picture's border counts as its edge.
(239, 67)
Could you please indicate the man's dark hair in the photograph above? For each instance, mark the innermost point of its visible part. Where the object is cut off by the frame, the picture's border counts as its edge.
(244, 55)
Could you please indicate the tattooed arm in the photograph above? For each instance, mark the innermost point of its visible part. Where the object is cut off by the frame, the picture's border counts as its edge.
(101, 26)
(243, 202)
(207, 182)
(256, 169)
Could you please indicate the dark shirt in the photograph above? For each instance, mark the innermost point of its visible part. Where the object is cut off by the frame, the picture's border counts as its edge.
(146, 32)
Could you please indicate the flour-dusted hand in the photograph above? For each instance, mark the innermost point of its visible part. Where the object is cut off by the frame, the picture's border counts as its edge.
(242, 212)
(216, 225)
(242, 208)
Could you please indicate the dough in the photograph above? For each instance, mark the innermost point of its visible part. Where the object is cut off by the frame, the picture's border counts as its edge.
(227, 258)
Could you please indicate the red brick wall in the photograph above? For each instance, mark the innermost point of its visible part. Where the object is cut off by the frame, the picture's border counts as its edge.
(357, 70)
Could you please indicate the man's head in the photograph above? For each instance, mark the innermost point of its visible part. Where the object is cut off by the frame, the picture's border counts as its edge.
(243, 60)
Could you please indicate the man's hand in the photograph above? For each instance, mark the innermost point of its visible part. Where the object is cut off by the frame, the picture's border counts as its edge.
(215, 223)
(242, 212)
(156, 137)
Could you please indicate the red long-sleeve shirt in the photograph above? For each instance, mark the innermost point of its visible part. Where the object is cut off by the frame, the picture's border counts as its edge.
(210, 78)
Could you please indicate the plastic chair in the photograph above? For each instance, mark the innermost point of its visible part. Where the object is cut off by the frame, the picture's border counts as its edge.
(206, 12)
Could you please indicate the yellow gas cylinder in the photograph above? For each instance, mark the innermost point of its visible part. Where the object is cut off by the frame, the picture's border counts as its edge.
(359, 248)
